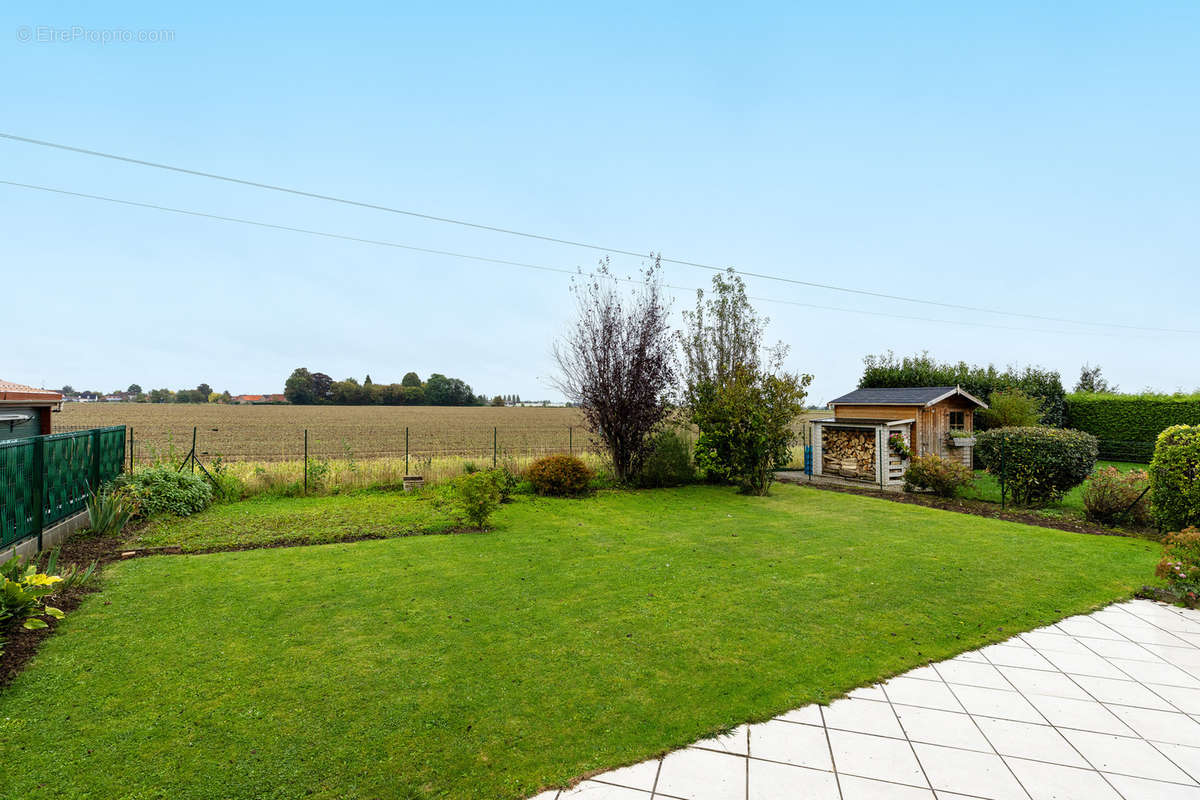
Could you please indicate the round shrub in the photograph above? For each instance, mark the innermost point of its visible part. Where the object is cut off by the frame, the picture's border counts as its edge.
(162, 490)
(940, 475)
(1114, 497)
(1175, 477)
(1037, 464)
(669, 462)
(559, 476)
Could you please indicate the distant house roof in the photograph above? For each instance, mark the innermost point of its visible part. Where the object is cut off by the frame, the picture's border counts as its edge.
(19, 393)
(905, 396)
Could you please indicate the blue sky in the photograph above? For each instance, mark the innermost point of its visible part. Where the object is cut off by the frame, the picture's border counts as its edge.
(1021, 157)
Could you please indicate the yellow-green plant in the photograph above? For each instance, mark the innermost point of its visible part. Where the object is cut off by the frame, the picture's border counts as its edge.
(22, 595)
(478, 496)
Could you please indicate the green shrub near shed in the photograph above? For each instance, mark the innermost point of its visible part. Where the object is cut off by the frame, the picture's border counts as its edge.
(1037, 464)
(1128, 425)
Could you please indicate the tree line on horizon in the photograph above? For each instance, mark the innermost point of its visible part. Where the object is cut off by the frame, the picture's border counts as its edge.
(316, 388)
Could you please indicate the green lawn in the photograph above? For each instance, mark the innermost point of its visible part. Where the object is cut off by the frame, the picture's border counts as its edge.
(579, 635)
(301, 520)
(988, 488)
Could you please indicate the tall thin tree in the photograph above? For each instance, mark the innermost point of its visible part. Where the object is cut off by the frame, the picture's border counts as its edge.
(617, 363)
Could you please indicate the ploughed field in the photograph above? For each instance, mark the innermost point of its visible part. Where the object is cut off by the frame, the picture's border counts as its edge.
(276, 432)
(262, 433)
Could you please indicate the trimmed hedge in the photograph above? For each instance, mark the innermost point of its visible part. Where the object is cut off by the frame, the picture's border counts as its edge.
(1128, 425)
(1037, 464)
(1175, 478)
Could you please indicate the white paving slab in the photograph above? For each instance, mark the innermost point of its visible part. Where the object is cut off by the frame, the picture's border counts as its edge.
(1105, 705)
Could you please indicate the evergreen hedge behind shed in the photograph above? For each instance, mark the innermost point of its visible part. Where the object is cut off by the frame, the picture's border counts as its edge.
(1127, 425)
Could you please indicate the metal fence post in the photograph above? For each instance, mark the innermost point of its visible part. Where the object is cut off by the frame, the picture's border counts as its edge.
(406, 451)
(193, 450)
(571, 440)
(494, 440)
(94, 483)
(1001, 472)
(131, 445)
(306, 460)
(39, 486)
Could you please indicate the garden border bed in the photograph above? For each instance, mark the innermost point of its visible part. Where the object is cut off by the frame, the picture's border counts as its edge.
(979, 508)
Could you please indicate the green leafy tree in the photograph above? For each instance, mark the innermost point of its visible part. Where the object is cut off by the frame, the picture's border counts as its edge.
(322, 386)
(1091, 380)
(410, 379)
(746, 425)
(134, 389)
(743, 408)
(299, 389)
(498, 401)
(1011, 408)
(886, 370)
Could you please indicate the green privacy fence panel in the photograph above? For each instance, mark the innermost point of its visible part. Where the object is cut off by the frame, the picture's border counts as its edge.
(44, 479)
(17, 499)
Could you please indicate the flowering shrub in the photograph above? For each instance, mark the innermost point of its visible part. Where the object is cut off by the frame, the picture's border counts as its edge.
(1180, 565)
(940, 475)
(559, 476)
(1112, 497)
(899, 446)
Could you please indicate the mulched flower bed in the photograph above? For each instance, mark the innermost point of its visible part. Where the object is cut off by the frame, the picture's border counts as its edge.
(981, 508)
(21, 644)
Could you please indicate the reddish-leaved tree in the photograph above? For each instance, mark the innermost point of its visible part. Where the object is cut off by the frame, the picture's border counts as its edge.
(617, 363)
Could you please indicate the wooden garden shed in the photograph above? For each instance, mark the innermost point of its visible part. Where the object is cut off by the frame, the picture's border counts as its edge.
(854, 443)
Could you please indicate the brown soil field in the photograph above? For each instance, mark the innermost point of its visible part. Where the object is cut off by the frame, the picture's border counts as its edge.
(276, 432)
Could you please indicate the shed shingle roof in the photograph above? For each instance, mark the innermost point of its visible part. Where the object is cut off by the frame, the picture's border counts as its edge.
(903, 396)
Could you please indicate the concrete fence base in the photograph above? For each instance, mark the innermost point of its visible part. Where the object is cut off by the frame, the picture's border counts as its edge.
(54, 535)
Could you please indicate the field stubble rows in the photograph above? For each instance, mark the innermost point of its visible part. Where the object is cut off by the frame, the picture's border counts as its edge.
(275, 433)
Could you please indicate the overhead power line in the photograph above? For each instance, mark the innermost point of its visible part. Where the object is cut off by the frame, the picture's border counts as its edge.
(574, 243)
(507, 262)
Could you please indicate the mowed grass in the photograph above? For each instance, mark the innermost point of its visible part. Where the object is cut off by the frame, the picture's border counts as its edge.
(578, 636)
(987, 487)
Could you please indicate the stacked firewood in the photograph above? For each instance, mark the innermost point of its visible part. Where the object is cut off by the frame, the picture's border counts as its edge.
(848, 452)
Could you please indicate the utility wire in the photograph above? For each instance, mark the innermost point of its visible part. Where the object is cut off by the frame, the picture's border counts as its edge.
(506, 262)
(574, 243)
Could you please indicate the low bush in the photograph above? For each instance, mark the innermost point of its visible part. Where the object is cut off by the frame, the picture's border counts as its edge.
(940, 475)
(1175, 478)
(1180, 565)
(505, 481)
(1113, 497)
(109, 511)
(1037, 464)
(477, 496)
(669, 462)
(162, 490)
(559, 476)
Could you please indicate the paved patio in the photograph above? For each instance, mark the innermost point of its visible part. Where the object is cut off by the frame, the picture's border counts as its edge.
(1097, 707)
